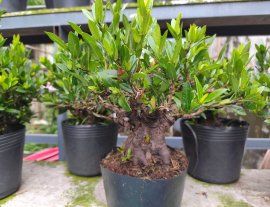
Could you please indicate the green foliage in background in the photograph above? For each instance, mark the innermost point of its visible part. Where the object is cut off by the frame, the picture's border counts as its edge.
(263, 66)
(20, 83)
(35, 2)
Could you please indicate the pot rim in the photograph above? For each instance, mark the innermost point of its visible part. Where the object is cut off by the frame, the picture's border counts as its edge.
(21, 127)
(182, 173)
(65, 123)
(244, 126)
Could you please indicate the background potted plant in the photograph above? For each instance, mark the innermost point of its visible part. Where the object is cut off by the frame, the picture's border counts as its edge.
(88, 137)
(66, 3)
(215, 145)
(20, 83)
(13, 5)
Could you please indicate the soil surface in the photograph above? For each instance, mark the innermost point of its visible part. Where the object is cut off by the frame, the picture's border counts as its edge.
(155, 170)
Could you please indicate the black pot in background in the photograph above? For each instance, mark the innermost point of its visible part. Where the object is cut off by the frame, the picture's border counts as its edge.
(215, 154)
(129, 1)
(127, 191)
(11, 157)
(87, 145)
(13, 5)
(66, 3)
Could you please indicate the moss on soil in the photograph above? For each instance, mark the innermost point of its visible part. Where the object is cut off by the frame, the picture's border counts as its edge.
(83, 193)
(229, 201)
(7, 199)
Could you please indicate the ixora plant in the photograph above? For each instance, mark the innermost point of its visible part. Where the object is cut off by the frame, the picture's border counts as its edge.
(215, 145)
(88, 138)
(263, 61)
(20, 83)
(146, 82)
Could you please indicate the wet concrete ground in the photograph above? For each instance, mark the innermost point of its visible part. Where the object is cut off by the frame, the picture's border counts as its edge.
(50, 185)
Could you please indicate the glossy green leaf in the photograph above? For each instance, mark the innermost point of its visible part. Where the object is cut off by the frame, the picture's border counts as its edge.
(122, 101)
(186, 97)
(56, 39)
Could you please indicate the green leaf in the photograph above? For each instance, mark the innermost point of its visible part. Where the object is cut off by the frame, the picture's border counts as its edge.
(74, 45)
(87, 14)
(186, 97)
(92, 43)
(122, 101)
(94, 30)
(76, 27)
(108, 46)
(215, 95)
(57, 40)
(199, 88)
(221, 53)
(153, 102)
(13, 111)
(238, 110)
(99, 11)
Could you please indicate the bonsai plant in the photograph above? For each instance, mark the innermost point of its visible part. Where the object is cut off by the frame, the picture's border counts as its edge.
(88, 137)
(13, 5)
(20, 83)
(215, 145)
(66, 3)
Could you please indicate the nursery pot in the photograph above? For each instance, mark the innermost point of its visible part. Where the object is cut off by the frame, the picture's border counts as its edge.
(13, 5)
(66, 3)
(87, 145)
(127, 191)
(215, 153)
(11, 156)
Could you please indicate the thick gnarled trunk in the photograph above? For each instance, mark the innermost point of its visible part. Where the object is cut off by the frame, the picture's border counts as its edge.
(147, 139)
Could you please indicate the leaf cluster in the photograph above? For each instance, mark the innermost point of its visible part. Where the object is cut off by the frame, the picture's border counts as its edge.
(20, 83)
(135, 68)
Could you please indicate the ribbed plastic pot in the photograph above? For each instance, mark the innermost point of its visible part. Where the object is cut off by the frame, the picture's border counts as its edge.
(129, 1)
(215, 154)
(127, 191)
(87, 145)
(13, 5)
(66, 3)
(11, 156)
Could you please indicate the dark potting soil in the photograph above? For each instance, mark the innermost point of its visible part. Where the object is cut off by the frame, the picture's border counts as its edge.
(155, 170)
(219, 122)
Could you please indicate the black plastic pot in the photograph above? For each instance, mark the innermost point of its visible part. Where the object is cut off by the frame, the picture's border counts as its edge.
(13, 5)
(87, 145)
(66, 3)
(127, 191)
(11, 156)
(215, 154)
(129, 1)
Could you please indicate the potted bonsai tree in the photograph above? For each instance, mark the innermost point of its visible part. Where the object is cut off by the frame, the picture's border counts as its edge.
(88, 136)
(20, 83)
(66, 3)
(13, 5)
(148, 82)
(215, 145)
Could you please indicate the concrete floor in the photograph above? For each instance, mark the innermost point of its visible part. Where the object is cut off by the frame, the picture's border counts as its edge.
(50, 185)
